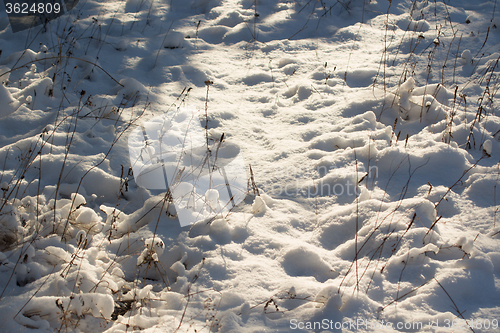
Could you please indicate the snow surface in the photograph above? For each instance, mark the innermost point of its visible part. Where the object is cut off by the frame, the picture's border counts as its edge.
(372, 132)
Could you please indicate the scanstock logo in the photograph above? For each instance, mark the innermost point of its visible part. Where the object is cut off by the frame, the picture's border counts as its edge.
(206, 176)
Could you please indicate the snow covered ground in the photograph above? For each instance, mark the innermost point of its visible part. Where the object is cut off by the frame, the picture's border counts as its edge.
(371, 129)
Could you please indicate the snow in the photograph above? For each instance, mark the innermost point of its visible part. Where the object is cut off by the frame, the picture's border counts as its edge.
(487, 146)
(331, 166)
(8, 104)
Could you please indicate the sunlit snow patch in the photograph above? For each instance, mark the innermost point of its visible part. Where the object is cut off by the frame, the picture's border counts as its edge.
(170, 153)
